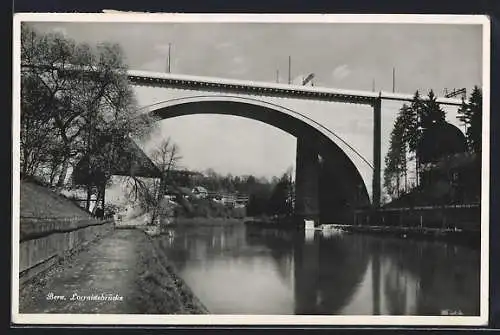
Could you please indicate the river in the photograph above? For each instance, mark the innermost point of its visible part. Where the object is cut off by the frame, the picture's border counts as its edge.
(234, 269)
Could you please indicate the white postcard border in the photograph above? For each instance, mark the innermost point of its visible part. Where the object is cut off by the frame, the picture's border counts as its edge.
(132, 319)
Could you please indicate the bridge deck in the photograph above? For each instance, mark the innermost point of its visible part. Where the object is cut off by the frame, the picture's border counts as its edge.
(149, 78)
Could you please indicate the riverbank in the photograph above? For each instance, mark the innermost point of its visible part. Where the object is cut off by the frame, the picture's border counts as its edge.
(458, 236)
(270, 223)
(472, 238)
(201, 221)
(121, 273)
(162, 290)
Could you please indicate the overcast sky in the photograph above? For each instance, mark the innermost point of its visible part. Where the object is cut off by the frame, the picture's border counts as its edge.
(348, 56)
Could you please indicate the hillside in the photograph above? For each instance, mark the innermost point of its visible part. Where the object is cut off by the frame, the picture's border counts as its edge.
(40, 202)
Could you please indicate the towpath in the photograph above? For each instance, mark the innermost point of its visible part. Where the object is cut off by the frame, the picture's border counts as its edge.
(106, 269)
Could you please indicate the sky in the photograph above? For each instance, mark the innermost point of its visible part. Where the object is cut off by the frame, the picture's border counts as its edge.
(347, 56)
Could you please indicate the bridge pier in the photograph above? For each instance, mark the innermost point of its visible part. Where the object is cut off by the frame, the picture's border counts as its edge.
(377, 153)
(307, 174)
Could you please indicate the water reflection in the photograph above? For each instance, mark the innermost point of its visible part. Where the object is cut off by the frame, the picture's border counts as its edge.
(236, 270)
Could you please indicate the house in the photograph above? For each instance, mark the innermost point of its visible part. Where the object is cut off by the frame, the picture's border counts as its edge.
(199, 192)
(228, 200)
(177, 192)
(242, 200)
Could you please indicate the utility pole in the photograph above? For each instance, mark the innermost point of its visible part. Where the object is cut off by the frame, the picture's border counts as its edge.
(277, 76)
(373, 85)
(393, 79)
(168, 60)
(289, 69)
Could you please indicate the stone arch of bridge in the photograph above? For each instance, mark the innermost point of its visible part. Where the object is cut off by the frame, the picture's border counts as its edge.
(329, 185)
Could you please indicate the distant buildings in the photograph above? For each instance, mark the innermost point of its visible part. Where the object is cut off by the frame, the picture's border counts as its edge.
(193, 185)
(174, 192)
(199, 192)
(231, 200)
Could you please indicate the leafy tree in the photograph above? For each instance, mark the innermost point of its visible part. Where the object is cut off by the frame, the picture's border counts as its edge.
(408, 131)
(389, 173)
(281, 200)
(395, 159)
(405, 137)
(470, 114)
(415, 132)
(432, 112)
(259, 195)
(257, 202)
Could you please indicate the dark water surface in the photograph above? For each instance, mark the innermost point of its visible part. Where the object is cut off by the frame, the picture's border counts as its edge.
(237, 270)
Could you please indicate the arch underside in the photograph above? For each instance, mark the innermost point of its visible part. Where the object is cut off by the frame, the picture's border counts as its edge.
(342, 188)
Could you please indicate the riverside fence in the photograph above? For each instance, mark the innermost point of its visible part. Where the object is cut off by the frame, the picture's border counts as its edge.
(463, 217)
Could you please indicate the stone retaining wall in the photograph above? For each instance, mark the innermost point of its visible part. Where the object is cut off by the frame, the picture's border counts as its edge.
(43, 242)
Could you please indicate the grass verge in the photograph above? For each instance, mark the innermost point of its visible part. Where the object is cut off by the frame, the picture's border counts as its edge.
(160, 290)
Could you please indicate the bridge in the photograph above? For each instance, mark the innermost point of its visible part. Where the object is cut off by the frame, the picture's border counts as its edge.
(329, 182)
(331, 174)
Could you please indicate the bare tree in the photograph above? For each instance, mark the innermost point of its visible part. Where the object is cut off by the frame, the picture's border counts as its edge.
(41, 91)
(148, 193)
(76, 106)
